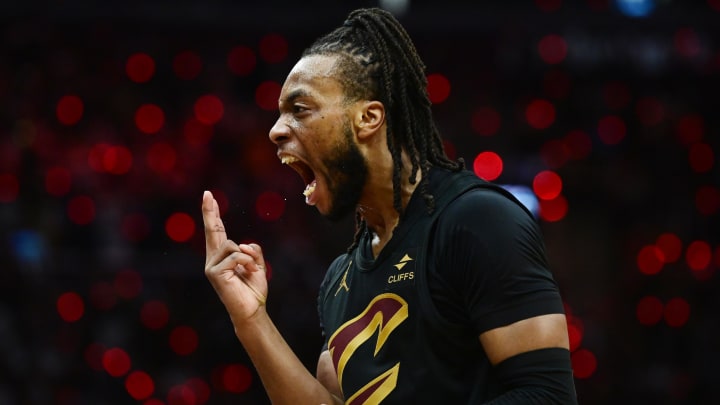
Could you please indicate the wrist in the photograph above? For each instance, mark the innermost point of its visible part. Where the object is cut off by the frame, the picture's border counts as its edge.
(252, 325)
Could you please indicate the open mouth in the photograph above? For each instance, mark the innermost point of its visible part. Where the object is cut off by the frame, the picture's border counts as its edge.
(304, 170)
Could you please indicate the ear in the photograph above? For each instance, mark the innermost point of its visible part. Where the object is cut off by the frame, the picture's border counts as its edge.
(369, 119)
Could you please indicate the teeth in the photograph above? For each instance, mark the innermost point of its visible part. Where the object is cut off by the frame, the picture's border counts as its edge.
(309, 189)
(286, 160)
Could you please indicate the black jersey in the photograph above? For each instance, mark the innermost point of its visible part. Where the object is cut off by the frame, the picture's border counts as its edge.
(403, 327)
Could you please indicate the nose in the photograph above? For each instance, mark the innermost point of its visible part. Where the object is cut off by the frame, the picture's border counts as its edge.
(280, 132)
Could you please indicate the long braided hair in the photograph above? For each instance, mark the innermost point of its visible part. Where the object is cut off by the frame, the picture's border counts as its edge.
(378, 61)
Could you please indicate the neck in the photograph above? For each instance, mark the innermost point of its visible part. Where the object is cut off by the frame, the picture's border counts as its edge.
(378, 209)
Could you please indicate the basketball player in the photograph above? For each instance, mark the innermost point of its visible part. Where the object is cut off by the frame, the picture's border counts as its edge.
(445, 296)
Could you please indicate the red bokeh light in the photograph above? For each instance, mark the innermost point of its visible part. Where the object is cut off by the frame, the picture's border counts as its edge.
(135, 227)
(149, 118)
(180, 227)
(579, 144)
(671, 247)
(547, 185)
(575, 331)
(616, 95)
(488, 165)
(707, 200)
(241, 60)
(9, 188)
(81, 210)
(116, 362)
(701, 157)
(555, 153)
(96, 155)
(698, 255)
(93, 355)
(575, 336)
(57, 181)
(153, 401)
(270, 206)
(140, 67)
(650, 111)
(128, 284)
(196, 133)
(70, 306)
(715, 4)
(438, 87)
(201, 389)
(236, 378)
(154, 314)
(187, 65)
(183, 340)
(552, 49)
(649, 310)
(584, 363)
(611, 130)
(161, 157)
(139, 385)
(267, 95)
(677, 312)
(69, 109)
(209, 109)
(273, 48)
(553, 210)
(540, 114)
(181, 395)
(486, 121)
(102, 295)
(687, 43)
(650, 259)
(117, 160)
(690, 129)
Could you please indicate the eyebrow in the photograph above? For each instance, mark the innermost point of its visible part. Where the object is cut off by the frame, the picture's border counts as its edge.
(295, 94)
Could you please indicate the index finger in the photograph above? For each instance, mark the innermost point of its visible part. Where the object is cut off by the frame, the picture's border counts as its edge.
(214, 229)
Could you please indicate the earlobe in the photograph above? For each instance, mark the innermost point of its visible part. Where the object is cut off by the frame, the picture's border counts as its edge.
(370, 119)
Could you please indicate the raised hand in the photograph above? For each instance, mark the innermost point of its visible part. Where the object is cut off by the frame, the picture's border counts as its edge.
(236, 271)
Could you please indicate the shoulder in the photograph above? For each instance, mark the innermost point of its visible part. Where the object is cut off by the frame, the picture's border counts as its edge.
(336, 267)
(485, 205)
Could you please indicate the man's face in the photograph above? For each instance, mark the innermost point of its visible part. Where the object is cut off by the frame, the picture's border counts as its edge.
(314, 135)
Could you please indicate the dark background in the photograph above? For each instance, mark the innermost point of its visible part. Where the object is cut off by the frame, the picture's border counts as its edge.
(101, 246)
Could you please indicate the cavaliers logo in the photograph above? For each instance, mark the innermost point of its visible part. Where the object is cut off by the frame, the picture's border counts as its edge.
(384, 314)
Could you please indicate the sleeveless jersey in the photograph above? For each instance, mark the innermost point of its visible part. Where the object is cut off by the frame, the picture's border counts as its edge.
(389, 322)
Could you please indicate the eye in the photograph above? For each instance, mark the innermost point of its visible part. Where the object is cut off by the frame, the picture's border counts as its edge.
(298, 109)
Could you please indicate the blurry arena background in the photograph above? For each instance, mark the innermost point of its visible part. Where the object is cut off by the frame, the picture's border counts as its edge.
(116, 115)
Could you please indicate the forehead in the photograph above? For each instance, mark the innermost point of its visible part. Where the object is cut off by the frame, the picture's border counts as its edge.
(314, 76)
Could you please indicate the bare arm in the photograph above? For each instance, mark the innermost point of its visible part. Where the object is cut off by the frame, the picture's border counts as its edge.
(285, 378)
(532, 361)
(540, 332)
(327, 376)
(237, 272)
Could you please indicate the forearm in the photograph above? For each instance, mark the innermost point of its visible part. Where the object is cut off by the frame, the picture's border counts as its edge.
(285, 377)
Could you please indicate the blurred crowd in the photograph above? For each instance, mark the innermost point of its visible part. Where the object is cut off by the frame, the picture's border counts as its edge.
(111, 128)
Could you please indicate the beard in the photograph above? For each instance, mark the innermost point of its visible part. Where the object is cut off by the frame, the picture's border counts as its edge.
(347, 173)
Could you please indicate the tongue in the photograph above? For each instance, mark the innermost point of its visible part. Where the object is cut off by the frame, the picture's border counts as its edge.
(309, 190)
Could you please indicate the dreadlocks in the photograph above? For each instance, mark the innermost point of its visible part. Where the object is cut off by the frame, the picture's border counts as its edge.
(378, 61)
